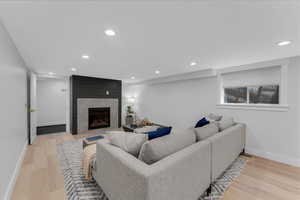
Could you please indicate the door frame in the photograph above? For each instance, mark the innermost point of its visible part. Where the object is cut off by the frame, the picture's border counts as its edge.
(28, 78)
(32, 107)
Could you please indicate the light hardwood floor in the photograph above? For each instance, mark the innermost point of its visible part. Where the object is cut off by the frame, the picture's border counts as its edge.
(41, 178)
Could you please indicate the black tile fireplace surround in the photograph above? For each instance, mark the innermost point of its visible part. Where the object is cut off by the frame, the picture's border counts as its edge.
(90, 87)
(99, 118)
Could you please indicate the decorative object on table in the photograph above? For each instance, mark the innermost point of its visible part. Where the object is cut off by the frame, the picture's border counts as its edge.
(129, 110)
(129, 119)
(145, 122)
(91, 140)
(129, 116)
(70, 157)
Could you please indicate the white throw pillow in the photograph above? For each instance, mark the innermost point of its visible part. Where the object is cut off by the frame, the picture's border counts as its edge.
(129, 142)
(206, 131)
(225, 123)
(213, 117)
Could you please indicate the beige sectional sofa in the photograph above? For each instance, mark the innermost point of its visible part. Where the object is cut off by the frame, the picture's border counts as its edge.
(183, 175)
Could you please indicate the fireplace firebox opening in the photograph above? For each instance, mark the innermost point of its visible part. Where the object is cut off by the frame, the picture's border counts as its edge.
(99, 118)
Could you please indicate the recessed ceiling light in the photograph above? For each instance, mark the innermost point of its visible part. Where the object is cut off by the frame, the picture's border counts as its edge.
(193, 63)
(132, 77)
(85, 56)
(110, 32)
(73, 69)
(51, 73)
(157, 71)
(283, 43)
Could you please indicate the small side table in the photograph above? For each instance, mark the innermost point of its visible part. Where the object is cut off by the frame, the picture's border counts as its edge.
(91, 140)
(133, 128)
(129, 128)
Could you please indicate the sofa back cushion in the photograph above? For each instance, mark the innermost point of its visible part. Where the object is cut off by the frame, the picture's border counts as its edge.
(155, 150)
(225, 123)
(129, 142)
(206, 131)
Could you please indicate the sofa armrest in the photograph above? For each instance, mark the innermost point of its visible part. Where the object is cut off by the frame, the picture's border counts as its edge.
(119, 174)
(182, 175)
(243, 132)
(226, 147)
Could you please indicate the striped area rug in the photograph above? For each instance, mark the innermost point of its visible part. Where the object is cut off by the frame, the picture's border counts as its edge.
(78, 188)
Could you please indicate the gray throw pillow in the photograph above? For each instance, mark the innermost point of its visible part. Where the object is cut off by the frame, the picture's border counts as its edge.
(156, 149)
(129, 142)
(206, 131)
(225, 123)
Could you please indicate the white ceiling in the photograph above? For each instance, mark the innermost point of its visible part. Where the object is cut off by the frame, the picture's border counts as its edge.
(52, 36)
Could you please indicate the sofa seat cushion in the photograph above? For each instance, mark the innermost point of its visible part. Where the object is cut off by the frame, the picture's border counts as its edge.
(129, 142)
(155, 150)
(206, 131)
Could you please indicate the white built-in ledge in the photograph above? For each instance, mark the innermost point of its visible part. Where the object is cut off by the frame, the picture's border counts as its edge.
(204, 73)
(264, 107)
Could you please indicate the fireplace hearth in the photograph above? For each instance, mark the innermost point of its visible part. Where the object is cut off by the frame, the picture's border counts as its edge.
(99, 117)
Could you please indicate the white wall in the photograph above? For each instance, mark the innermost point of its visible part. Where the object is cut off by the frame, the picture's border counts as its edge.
(13, 134)
(178, 104)
(51, 101)
(274, 135)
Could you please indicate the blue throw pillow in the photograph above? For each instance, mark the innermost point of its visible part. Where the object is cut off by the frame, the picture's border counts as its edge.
(202, 122)
(159, 132)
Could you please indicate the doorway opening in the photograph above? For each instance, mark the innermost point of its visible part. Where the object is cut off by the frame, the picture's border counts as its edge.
(51, 105)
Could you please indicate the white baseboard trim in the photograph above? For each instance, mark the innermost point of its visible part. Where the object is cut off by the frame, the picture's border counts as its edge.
(276, 157)
(15, 174)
